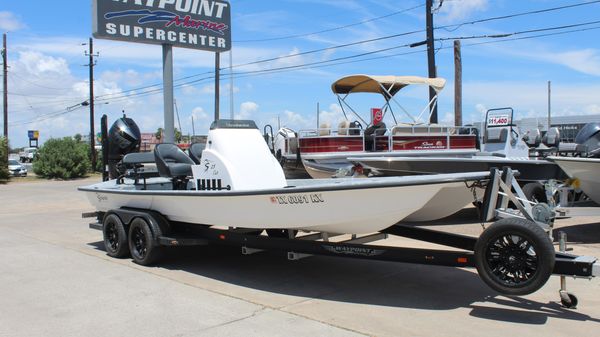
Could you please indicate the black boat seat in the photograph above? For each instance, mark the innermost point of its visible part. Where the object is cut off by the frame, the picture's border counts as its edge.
(172, 162)
(137, 165)
(195, 152)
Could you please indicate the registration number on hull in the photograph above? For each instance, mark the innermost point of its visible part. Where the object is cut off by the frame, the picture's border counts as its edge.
(300, 199)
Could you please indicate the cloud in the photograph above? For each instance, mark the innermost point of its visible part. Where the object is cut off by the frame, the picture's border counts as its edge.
(198, 113)
(452, 11)
(247, 110)
(9, 22)
(332, 116)
(38, 64)
(585, 61)
(529, 99)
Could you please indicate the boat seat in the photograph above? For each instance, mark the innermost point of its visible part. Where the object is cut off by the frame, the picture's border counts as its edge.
(354, 128)
(325, 129)
(137, 165)
(371, 134)
(497, 135)
(343, 128)
(172, 162)
(195, 152)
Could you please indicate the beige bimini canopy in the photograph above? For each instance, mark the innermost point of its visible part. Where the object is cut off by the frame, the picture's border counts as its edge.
(376, 84)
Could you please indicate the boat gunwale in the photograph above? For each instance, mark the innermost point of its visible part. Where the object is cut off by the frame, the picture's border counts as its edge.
(376, 184)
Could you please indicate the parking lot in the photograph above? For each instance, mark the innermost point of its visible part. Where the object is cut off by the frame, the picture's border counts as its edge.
(57, 281)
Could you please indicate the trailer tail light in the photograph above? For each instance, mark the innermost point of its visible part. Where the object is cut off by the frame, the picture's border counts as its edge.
(462, 260)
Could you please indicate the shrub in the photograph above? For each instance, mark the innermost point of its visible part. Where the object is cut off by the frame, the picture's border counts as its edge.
(62, 159)
(3, 159)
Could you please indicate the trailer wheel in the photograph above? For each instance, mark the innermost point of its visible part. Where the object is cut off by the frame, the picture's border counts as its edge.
(142, 245)
(280, 233)
(514, 257)
(115, 236)
(535, 192)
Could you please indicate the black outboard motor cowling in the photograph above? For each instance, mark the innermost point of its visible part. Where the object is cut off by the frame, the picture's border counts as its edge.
(589, 136)
(123, 137)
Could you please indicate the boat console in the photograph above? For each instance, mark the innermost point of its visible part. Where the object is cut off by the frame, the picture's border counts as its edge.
(232, 146)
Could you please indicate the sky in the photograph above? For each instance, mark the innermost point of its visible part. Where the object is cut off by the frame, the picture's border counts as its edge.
(48, 79)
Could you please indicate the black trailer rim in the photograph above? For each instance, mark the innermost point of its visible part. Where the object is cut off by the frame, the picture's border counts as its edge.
(112, 236)
(138, 238)
(512, 260)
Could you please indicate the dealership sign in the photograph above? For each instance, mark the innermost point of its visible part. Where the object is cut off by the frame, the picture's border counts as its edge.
(33, 134)
(196, 24)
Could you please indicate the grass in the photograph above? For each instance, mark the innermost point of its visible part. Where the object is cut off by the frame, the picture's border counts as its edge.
(32, 178)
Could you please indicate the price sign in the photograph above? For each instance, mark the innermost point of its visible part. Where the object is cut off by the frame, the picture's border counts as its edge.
(498, 120)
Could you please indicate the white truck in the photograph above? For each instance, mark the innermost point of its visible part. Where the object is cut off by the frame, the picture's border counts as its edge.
(27, 155)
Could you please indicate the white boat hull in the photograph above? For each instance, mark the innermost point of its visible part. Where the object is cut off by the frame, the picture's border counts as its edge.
(353, 206)
(586, 170)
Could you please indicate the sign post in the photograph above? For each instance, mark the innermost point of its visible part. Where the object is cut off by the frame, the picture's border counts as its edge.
(196, 24)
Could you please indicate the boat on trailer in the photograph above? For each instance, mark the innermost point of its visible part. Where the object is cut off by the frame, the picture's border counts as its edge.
(227, 202)
(225, 191)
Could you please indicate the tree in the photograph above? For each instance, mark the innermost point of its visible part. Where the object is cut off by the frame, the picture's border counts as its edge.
(78, 137)
(177, 136)
(159, 133)
(62, 159)
(4, 174)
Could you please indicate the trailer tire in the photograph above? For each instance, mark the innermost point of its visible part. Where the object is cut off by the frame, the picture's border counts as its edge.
(514, 257)
(143, 246)
(115, 236)
(535, 192)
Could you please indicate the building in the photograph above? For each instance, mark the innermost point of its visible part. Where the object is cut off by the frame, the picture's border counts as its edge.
(568, 126)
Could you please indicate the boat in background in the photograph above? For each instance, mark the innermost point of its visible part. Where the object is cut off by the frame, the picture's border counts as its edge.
(502, 146)
(326, 150)
(586, 172)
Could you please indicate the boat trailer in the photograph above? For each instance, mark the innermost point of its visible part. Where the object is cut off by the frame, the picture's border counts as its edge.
(514, 255)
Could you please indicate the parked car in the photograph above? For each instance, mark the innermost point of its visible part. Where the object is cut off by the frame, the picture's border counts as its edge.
(28, 154)
(16, 169)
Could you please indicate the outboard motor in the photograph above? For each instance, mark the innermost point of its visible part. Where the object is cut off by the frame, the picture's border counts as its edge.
(551, 138)
(589, 138)
(123, 137)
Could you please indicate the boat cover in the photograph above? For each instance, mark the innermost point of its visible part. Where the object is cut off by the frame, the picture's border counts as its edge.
(376, 84)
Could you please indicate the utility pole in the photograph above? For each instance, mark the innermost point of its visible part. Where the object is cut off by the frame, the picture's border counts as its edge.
(5, 81)
(231, 102)
(217, 84)
(457, 84)
(431, 57)
(549, 104)
(91, 64)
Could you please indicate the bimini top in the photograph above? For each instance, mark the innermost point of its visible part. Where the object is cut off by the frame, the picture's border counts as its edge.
(385, 85)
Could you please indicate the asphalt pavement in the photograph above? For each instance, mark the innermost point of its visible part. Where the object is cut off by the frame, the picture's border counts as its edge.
(56, 280)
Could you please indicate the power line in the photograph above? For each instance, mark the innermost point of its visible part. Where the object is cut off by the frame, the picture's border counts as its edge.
(300, 67)
(37, 85)
(360, 55)
(518, 33)
(327, 63)
(330, 29)
(539, 11)
(368, 41)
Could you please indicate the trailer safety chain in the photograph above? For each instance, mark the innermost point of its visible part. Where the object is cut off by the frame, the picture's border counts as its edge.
(477, 203)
